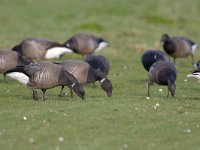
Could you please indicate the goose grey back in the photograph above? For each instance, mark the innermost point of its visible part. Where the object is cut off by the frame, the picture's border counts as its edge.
(35, 48)
(99, 62)
(163, 73)
(85, 44)
(10, 59)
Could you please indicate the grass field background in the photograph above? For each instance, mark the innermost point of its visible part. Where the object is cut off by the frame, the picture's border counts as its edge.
(128, 120)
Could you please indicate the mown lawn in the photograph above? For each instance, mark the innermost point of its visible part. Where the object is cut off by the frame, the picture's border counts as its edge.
(126, 121)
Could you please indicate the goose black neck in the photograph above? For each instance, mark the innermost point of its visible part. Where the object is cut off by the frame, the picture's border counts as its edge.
(169, 46)
(65, 78)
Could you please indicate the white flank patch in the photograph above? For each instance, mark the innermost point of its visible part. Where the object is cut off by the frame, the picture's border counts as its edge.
(22, 78)
(101, 46)
(56, 52)
(196, 75)
(194, 47)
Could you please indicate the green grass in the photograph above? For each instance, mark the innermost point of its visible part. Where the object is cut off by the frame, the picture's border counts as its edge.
(128, 120)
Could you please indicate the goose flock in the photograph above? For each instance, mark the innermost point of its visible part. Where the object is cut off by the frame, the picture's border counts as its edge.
(19, 64)
(26, 63)
(160, 69)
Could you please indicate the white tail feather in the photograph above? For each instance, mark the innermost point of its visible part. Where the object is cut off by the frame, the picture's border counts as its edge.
(22, 78)
(101, 46)
(194, 47)
(56, 52)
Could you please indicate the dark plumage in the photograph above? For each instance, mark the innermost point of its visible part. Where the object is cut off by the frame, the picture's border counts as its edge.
(40, 48)
(163, 73)
(149, 57)
(45, 75)
(10, 59)
(197, 64)
(178, 46)
(85, 44)
(99, 62)
(84, 73)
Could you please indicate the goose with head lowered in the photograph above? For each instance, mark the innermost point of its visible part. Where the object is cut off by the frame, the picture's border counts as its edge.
(163, 73)
(40, 49)
(45, 75)
(149, 57)
(84, 74)
(85, 44)
(178, 46)
(11, 59)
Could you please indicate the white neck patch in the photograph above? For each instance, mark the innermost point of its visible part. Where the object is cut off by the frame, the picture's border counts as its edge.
(73, 84)
(22, 78)
(101, 46)
(56, 52)
(102, 80)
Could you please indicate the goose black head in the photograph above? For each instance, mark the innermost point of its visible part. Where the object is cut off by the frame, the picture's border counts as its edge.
(165, 37)
(78, 89)
(102, 40)
(172, 87)
(106, 86)
(197, 64)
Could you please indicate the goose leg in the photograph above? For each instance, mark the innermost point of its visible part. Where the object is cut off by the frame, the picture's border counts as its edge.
(72, 94)
(4, 78)
(148, 86)
(43, 94)
(168, 93)
(94, 85)
(192, 56)
(61, 94)
(35, 96)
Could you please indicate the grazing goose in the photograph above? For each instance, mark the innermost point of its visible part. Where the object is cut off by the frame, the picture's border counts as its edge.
(99, 62)
(178, 46)
(149, 57)
(45, 75)
(84, 73)
(163, 73)
(40, 49)
(10, 59)
(85, 44)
